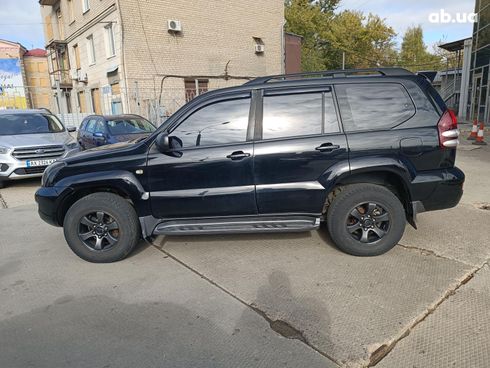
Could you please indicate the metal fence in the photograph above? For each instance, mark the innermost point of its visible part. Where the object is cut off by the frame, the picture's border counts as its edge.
(156, 103)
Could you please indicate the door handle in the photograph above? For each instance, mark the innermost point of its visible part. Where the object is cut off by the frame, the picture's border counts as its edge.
(327, 147)
(238, 155)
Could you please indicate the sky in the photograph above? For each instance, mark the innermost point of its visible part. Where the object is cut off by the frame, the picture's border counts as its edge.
(401, 14)
(20, 20)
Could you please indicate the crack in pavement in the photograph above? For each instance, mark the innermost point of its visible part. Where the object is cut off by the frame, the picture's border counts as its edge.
(382, 351)
(2, 202)
(279, 326)
(286, 330)
(424, 251)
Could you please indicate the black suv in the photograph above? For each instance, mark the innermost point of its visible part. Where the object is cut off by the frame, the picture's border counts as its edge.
(362, 150)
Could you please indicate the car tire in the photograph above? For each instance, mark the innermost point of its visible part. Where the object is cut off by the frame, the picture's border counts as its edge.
(366, 220)
(2, 184)
(101, 228)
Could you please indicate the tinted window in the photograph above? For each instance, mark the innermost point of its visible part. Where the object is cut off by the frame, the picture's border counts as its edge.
(13, 124)
(299, 114)
(82, 126)
(129, 126)
(219, 123)
(99, 127)
(91, 126)
(373, 106)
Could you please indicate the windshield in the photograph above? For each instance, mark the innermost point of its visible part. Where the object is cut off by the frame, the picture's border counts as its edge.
(129, 126)
(13, 124)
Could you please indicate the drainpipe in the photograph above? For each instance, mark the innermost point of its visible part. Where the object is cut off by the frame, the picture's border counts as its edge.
(123, 63)
(465, 80)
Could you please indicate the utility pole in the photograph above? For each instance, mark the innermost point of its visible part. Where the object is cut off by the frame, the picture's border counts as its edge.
(343, 60)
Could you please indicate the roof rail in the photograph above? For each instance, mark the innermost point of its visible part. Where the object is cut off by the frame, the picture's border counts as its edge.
(330, 73)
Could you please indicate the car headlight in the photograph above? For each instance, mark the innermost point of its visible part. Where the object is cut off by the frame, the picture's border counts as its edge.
(50, 173)
(3, 150)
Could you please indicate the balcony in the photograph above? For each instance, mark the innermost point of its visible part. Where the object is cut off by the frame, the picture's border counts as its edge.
(63, 77)
(48, 2)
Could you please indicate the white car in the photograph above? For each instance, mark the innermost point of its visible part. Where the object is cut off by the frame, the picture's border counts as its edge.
(31, 140)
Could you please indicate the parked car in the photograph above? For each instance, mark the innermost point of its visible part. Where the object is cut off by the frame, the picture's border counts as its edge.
(363, 150)
(30, 140)
(98, 130)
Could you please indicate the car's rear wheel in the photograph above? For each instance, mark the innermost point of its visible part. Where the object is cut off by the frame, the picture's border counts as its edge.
(366, 220)
(101, 228)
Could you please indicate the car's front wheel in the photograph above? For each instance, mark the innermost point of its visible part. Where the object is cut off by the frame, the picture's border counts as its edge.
(366, 219)
(101, 228)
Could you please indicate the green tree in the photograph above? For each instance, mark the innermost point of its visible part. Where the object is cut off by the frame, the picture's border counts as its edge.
(366, 40)
(414, 54)
(310, 19)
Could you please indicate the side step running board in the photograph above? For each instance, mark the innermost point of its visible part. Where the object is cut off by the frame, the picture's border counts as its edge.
(238, 225)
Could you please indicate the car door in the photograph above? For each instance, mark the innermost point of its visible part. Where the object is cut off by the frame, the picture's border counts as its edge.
(81, 132)
(100, 133)
(209, 170)
(88, 137)
(300, 139)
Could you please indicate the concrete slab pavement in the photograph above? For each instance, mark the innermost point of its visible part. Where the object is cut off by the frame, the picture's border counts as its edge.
(19, 192)
(454, 335)
(146, 311)
(461, 233)
(346, 307)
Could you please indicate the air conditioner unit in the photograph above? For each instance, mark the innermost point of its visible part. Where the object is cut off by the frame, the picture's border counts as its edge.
(82, 77)
(259, 49)
(174, 25)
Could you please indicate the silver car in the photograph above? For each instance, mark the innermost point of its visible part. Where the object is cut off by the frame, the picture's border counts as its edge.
(30, 140)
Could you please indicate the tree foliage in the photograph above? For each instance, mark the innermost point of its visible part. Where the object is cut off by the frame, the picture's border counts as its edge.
(414, 54)
(366, 40)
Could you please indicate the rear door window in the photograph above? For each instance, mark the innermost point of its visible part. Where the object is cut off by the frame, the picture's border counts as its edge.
(374, 106)
(301, 114)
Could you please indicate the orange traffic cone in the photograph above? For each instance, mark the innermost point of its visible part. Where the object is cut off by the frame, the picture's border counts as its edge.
(474, 131)
(479, 138)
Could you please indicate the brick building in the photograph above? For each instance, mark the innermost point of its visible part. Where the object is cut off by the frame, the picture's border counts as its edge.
(150, 57)
(24, 79)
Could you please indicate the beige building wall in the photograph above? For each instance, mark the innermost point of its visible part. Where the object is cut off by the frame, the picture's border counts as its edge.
(92, 91)
(37, 78)
(218, 38)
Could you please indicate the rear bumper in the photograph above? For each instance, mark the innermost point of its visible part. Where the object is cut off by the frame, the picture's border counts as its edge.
(48, 200)
(437, 190)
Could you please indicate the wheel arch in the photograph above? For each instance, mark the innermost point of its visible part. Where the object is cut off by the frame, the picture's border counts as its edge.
(394, 177)
(123, 184)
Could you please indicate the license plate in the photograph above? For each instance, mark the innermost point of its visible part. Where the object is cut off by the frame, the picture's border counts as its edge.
(33, 163)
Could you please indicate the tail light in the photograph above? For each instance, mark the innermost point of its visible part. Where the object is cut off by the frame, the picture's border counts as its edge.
(448, 130)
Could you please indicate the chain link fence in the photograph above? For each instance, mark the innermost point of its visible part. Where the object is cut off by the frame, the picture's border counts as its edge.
(155, 102)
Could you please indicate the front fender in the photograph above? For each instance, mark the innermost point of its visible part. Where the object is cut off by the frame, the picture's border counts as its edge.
(120, 181)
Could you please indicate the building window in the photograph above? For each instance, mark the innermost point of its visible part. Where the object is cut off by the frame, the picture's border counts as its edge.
(85, 6)
(82, 102)
(71, 13)
(110, 43)
(195, 87)
(76, 53)
(59, 18)
(96, 106)
(91, 50)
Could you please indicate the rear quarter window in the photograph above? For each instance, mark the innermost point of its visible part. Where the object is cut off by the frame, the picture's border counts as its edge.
(374, 106)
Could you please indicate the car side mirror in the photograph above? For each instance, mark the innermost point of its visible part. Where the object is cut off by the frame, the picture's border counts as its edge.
(162, 142)
(71, 129)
